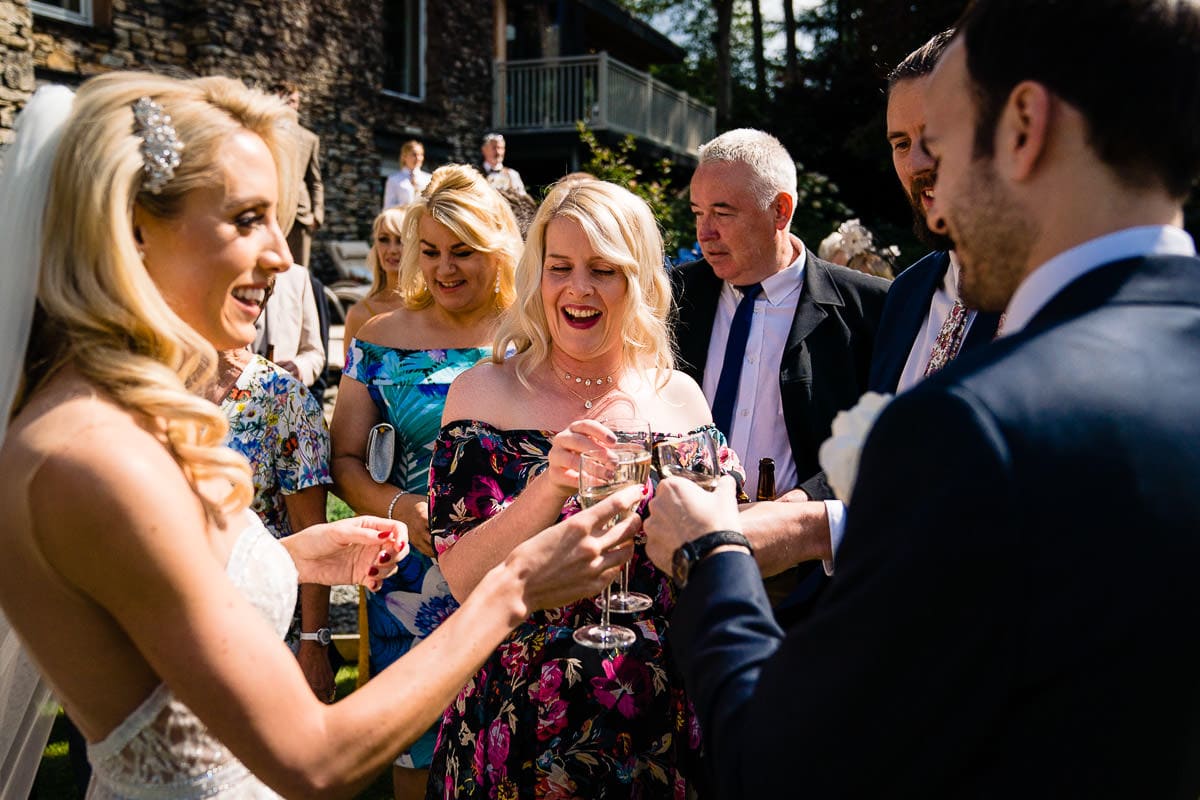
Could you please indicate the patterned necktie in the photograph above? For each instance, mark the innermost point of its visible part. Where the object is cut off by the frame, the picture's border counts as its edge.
(949, 338)
(735, 355)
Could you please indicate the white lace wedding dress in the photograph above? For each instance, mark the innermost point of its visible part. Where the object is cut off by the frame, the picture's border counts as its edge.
(162, 751)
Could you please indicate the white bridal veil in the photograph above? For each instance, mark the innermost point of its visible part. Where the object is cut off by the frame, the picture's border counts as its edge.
(26, 707)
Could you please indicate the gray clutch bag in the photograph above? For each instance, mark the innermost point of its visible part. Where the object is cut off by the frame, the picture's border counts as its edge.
(381, 452)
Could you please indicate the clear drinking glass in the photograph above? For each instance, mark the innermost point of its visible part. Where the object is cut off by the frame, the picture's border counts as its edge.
(693, 456)
(632, 435)
(602, 472)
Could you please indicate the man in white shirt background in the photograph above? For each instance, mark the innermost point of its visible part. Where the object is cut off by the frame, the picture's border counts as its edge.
(778, 339)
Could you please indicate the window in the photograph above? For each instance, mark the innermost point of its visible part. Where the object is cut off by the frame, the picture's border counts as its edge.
(404, 48)
(77, 11)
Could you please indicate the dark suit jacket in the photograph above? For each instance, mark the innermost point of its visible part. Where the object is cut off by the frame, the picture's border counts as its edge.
(1019, 618)
(828, 352)
(904, 315)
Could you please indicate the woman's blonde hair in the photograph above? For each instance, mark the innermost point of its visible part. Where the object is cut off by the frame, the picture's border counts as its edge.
(461, 199)
(98, 309)
(391, 221)
(622, 230)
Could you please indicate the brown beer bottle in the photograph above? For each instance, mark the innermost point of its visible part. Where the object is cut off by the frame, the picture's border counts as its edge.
(766, 479)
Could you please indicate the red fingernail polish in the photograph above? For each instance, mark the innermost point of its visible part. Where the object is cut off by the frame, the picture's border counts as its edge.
(383, 557)
(645, 491)
(372, 571)
(385, 534)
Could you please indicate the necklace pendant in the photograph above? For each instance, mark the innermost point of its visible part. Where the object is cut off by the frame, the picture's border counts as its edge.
(587, 403)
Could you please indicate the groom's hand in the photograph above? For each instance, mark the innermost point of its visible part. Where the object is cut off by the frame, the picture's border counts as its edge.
(681, 511)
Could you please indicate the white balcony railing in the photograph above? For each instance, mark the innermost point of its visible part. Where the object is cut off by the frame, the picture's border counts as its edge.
(551, 94)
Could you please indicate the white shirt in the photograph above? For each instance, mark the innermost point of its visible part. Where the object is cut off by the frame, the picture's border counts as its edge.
(1041, 286)
(939, 309)
(758, 429)
(503, 177)
(290, 325)
(403, 187)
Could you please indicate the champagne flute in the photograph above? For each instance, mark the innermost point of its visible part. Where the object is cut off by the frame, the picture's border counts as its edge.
(602, 472)
(692, 456)
(633, 435)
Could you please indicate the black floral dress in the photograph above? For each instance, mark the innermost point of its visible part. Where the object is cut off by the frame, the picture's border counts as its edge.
(546, 717)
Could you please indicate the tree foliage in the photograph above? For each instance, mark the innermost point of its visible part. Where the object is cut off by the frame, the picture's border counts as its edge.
(832, 115)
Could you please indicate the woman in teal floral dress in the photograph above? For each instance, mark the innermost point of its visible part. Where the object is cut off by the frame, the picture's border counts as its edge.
(545, 717)
(456, 275)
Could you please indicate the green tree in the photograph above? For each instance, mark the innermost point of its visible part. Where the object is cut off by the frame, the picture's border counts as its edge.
(616, 166)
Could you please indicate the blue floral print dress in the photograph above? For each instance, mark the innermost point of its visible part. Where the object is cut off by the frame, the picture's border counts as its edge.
(409, 389)
(546, 717)
(277, 424)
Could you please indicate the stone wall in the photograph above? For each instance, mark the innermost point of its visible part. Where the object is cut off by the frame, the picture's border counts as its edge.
(332, 49)
(16, 63)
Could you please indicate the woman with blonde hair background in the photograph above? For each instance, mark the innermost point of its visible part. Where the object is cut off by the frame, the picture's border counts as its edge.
(141, 219)
(455, 278)
(546, 716)
(387, 248)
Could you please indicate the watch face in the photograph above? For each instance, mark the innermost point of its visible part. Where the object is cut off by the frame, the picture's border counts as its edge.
(680, 565)
(324, 636)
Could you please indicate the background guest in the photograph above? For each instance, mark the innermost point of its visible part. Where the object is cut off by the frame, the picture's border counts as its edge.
(779, 340)
(289, 332)
(493, 168)
(410, 180)
(310, 190)
(455, 278)
(594, 302)
(280, 428)
(383, 259)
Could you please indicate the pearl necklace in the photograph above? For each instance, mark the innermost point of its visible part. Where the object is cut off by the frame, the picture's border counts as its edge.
(570, 381)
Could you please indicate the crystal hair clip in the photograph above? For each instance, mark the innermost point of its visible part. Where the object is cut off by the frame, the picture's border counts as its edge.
(160, 144)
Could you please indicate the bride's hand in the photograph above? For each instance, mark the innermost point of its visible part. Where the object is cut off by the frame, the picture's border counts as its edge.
(358, 550)
(582, 435)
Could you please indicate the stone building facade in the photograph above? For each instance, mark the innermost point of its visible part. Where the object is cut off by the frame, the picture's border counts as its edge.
(340, 52)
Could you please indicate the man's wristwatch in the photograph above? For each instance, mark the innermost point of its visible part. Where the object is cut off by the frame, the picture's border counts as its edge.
(321, 636)
(690, 552)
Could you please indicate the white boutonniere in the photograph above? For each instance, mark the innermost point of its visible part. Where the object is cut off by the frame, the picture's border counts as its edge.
(839, 453)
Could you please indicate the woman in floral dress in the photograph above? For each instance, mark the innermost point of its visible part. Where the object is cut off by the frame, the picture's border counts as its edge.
(546, 717)
(278, 425)
(456, 275)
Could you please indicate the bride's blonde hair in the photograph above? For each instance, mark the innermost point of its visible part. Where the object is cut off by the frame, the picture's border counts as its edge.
(98, 309)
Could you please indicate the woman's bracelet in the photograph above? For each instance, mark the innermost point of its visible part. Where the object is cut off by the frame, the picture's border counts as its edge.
(392, 505)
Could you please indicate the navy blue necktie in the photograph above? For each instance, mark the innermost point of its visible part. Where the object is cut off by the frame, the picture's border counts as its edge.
(735, 354)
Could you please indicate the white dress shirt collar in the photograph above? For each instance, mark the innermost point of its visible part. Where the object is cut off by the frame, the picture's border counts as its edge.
(1041, 285)
(783, 284)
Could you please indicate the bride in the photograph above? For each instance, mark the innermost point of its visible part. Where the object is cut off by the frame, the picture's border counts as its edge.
(144, 214)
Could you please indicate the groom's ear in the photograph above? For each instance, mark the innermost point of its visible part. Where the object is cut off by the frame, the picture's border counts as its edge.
(1023, 129)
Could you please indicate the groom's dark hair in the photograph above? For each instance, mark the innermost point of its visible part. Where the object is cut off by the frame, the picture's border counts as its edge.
(1131, 67)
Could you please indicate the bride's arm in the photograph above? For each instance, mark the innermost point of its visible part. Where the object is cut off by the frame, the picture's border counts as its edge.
(134, 541)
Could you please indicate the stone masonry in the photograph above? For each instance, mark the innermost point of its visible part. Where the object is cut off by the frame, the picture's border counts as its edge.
(333, 49)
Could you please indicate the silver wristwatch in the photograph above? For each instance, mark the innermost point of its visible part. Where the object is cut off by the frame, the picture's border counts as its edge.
(322, 636)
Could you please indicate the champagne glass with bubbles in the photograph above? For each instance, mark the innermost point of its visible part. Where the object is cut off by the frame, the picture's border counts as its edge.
(633, 435)
(601, 473)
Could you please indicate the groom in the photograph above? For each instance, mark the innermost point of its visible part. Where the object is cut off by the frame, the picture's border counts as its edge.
(1019, 616)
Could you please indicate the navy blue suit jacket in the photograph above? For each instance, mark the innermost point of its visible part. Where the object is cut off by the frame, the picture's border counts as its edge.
(1020, 617)
(904, 315)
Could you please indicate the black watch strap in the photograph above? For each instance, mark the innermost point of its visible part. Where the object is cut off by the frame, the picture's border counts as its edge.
(691, 552)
